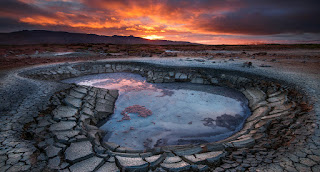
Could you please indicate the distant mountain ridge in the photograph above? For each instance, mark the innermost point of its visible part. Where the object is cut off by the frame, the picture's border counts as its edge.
(57, 37)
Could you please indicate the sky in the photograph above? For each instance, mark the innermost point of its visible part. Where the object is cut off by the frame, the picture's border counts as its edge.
(198, 21)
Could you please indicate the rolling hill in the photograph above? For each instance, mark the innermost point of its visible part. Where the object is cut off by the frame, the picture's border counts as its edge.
(56, 37)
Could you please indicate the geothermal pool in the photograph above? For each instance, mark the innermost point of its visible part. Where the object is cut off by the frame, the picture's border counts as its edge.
(149, 115)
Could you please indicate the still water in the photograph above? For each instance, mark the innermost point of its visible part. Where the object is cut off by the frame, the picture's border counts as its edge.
(148, 115)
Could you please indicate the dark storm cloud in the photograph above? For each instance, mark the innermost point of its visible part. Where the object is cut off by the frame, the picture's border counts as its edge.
(266, 18)
(15, 8)
(8, 25)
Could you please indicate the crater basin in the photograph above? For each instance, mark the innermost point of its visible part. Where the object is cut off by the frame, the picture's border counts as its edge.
(149, 115)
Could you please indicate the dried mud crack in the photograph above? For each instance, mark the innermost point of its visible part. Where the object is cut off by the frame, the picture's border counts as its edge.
(49, 125)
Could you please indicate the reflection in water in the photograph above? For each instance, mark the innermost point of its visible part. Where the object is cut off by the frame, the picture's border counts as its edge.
(149, 115)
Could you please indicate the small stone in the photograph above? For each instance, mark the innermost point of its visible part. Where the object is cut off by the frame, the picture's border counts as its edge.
(219, 169)
(86, 165)
(211, 157)
(76, 94)
(308, 162)
(188, 151)
(87, 111)
(42, 157)
(254, 96)
(197, 80)
(174, 159)
(104, 110)
(258, 113)
(108, 167)
(316, 168)
(114, 93)
(64, 112)
(202, 168)
(79, 151)
(73, 102)
(64, 136)
(52, 151)
(180, 166)
(301, 167)
(62, 125)
(54, 162)
(132, 164)
(245, 142)
(13, 158)
(314, 158)
(277, 98)
(110, 145)
(155, 160)
(293, 157)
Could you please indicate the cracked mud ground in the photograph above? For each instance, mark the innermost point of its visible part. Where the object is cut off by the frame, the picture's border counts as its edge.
(22, 99)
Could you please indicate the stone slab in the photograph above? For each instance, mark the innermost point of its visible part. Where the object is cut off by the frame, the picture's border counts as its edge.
(79, 151)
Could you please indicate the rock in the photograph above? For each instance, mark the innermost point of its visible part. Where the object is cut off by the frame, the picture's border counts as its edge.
(316, 168)
(104, 110)
(202, 168)
(181, 76)
(64, 136)
(179, 166)
(90, 164)
(282, 96)
(114, 93)
(76, 94)
(197, 80)
(43, 122)
(52, 151)
(132, 164)
(108, 167)
(54, 162)
(110, 145)
(247, 64)
(258, 113)
(315, 158)
(210, 157)
(281, 108)
(245, 142)
(301, 167)
(262, 103)
(277, 115)
(293, 157)
(274, 93)
(81, 89)
(87, 111)
(254, 96)
(79, 151)
(188, 151)
(308, 162)
(64, 112)
(62, 125)
(173, 159)
(214, 80)
(261, 124)
(13, 158)
(73, 102)
(155, 160)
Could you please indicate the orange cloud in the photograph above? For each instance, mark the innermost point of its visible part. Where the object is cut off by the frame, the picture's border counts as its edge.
(40, 20)
(229, 21)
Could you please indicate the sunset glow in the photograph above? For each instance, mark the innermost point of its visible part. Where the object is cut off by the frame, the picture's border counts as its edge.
(153, 37)
(205, 22)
